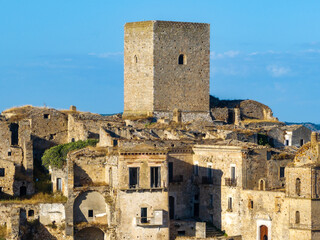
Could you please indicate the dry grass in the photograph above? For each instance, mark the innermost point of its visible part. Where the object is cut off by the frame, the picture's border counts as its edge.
(259, 120)
(38, 198)
(283, 156)
(3, 232)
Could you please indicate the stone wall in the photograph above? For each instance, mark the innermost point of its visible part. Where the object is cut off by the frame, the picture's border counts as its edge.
(153, 78)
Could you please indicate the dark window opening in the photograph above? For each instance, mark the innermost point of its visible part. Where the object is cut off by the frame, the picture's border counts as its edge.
(196, 197)
(170, 169)
(171, 207)
(46, 116)
(155, 177)
(181, 59)
(9, 154)
(229, 203)
(287, 143)
(282, 172)
(196, 208)
(23, 191)
(298, 186)
(233, 173)
(2, 172)
(72, 140)
(0, 190)
(115, 143)
(196, 170)
(251, 204)
(301, 142)
(261, 185)
(14, 129)
(59, 184)
(144, 214)
(181, 233)
(209, 173)
(90, 213)
(133, 177)
(297, 217)
(30, 213)
(135, 59)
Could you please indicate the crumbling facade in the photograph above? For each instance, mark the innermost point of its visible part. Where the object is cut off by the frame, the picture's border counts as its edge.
(157, 171)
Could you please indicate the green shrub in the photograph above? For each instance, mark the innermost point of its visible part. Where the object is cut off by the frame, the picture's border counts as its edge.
(57, 155)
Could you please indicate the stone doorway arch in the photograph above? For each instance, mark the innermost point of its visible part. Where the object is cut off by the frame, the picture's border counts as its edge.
(263, 232)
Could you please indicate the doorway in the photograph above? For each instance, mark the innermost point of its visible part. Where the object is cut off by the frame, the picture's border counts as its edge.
(263, 232)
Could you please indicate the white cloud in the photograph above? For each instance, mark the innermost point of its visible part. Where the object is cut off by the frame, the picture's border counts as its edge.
(278, 71)
(228, 54)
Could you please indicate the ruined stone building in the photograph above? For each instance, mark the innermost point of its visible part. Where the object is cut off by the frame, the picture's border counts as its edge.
(177, 164)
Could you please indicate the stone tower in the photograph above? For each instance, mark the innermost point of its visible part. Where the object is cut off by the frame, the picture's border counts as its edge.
(166, 67)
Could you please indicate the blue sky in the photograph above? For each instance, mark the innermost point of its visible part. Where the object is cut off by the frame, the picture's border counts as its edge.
(61, 53)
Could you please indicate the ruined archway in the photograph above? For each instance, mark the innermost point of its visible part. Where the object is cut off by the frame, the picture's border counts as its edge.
(91, 207)
(90, 233)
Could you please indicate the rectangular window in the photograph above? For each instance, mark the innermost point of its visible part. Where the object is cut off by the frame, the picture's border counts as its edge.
(59, 184)
(170, 169)
(196, 170)
(301, 142)
(2, 173)
(155, 177)
(287, 143)
(144, 215)
(90, 213)
(181, 233)
(233, 173)
(229, 203)
(46, 116)
(14, 129)
(133, 177)
(211, 200)
(0, 189)
(282, 172)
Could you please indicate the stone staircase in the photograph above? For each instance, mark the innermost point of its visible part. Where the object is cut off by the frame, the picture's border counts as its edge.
(212, 231)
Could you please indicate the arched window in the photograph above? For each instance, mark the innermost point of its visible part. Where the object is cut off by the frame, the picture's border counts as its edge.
(298, 186)
(297, 217)
(181, 59)
(261, 185)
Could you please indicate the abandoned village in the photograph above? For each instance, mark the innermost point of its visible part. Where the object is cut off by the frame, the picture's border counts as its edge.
(177, 164)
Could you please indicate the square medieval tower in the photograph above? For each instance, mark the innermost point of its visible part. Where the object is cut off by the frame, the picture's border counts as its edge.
(166, 67)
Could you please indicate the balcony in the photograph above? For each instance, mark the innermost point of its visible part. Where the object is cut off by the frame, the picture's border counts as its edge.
(156, 220)
(207, 180)
(176, 179)
(230, 182)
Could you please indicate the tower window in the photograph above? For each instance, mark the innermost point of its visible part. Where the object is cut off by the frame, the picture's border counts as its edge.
(297, 217)
(182, 59)
(46, 116)
(230, 204)
(298, 186)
